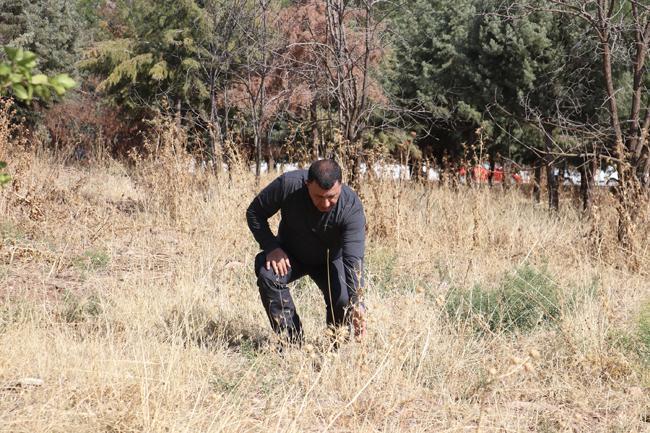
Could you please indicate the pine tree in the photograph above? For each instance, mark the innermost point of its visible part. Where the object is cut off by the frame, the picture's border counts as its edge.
(48, 28)
(156, 60)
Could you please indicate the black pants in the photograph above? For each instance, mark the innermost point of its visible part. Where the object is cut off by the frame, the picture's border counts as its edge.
(279, 305)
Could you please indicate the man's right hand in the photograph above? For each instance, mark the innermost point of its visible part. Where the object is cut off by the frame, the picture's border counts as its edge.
(279, 261)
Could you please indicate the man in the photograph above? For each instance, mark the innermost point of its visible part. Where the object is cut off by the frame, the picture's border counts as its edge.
(321, 234)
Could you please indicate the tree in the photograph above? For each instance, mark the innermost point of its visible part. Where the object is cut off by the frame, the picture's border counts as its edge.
(620, 30)
(50, 29)
(154, 64)
(431, 72)
(223, 44)
(351, 51)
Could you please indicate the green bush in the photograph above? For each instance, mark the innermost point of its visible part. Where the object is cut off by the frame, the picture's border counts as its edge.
(76, 308)
(522, 301)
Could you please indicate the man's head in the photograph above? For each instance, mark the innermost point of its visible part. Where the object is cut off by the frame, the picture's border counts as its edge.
(324, 184)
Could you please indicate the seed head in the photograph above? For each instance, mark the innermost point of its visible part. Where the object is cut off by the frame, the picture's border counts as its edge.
(534, 353)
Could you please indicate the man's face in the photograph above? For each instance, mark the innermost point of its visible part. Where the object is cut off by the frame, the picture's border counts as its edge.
(324, 199)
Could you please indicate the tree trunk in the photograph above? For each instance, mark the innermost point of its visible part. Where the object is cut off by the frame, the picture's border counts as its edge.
(313, 117)
(258, 152)
(443, 172)
(226, 123)
(641, 37)
(491, 172)
(587, 170)
(355, 168)
(646, 170)
(416, 167)
(551, 178)
(537, 182)
(216, 139)
(506, 174)
(619, 145)
(178, 114)
(270, 160)
(643, 151)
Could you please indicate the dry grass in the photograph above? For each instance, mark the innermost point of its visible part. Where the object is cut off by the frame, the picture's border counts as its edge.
(131, 294)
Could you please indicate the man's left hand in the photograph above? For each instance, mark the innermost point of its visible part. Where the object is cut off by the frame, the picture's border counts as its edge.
(359, 320)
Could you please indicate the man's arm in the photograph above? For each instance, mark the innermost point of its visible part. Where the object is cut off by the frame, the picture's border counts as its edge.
(263, 207)
(353, 249)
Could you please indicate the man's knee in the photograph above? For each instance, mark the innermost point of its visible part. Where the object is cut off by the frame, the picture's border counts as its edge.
(260, 262)
(264, 276)
(343, 300)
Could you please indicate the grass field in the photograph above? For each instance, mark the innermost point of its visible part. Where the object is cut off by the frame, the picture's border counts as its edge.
(130, 293)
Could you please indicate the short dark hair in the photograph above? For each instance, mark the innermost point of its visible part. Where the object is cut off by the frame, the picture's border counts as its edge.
(326, 172)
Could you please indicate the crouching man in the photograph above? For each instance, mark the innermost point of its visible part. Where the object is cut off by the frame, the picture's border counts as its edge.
(321, 234)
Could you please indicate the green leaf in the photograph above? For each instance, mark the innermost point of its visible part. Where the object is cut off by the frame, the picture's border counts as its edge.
(20, 92)
(28, 65)
(60, 90)
(42, 92)
(2, 164)
(39, 79)
(16, 78)
(159, 71)
(190, 64)
(64, 81)
(28, 59)
(5, 69)
(12, 53)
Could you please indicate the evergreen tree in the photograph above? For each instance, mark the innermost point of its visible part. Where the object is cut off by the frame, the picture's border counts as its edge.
(48, 28)
(155, 62)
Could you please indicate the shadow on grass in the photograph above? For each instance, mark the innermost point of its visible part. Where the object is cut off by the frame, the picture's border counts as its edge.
(197, 326)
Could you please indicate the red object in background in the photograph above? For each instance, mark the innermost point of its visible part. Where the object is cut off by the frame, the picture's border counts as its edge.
(482, 174)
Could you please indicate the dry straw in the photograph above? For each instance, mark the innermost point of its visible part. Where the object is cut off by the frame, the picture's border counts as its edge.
(131, 295)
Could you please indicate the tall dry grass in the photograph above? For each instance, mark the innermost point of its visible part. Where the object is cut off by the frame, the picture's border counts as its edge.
(130, 293)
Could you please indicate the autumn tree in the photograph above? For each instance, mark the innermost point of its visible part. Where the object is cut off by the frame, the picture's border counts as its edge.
(257, 87)
(348, 58)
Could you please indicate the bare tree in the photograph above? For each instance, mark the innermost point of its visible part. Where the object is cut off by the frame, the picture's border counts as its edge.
(622, 29)
(221, 47)
(258, 87)
(347, 61)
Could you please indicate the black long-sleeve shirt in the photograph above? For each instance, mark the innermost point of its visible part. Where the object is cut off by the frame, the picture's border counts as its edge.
(307, 233)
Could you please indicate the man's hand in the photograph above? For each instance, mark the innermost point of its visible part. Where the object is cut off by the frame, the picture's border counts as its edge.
(359, 320)
(279, 261)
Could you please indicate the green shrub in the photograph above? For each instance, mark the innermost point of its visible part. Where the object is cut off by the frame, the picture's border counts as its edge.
(522, 301)
(78, 309)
